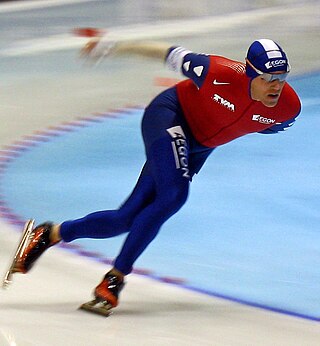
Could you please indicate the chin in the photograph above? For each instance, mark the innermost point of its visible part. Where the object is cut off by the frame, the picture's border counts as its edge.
(270, 104)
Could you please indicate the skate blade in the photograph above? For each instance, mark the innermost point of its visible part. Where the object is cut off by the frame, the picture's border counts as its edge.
(98, 307)
(24, 241)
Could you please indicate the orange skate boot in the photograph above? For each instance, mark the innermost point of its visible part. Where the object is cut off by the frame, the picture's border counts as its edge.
(106, 295)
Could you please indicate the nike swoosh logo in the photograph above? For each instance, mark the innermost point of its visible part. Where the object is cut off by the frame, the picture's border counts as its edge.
(215, 82)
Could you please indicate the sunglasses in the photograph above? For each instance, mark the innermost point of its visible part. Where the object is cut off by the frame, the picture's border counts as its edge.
(269, 77)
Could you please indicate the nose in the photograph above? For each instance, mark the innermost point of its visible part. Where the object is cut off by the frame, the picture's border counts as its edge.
(276, 84)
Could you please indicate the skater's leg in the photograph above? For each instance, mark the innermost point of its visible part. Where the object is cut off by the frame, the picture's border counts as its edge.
(110, 223)
(96, 225)
(170, 182)
(166, 141)
(171, 194)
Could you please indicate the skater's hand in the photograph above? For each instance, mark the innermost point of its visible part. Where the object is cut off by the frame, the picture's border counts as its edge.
(96, 49)
(88, 48)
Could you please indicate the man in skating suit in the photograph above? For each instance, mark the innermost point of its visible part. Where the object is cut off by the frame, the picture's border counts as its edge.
(219, 101)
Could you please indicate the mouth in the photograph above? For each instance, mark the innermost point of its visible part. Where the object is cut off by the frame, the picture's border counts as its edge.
(273, 96)
(271, 99)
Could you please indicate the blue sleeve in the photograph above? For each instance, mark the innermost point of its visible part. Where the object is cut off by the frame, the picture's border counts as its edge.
(279, 127)
(193, 66)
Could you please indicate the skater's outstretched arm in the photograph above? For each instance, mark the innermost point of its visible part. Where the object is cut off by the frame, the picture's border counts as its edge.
(97, 48)
(173, 56)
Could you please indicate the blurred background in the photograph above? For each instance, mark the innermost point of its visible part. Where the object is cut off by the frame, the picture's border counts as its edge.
(245, 248)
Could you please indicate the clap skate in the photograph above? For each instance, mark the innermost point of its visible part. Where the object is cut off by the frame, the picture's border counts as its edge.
(23, 243)
(106, 296)
(32, 245)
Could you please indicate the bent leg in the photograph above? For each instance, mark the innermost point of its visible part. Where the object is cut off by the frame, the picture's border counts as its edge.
(166, 142)
(171, 194)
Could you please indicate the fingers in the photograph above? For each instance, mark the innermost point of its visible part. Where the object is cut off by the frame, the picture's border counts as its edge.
(96, 50)
(88, 51)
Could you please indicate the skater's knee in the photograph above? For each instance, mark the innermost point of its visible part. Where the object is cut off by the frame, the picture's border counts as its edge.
(173, 199)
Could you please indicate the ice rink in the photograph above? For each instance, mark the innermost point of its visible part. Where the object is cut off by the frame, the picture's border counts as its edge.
(239, 265)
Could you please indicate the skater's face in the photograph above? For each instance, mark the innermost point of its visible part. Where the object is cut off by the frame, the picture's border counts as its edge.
(267, 92)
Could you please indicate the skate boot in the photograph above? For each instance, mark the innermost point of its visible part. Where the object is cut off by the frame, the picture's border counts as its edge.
(38, 243)
(106, 295)
(109, 288)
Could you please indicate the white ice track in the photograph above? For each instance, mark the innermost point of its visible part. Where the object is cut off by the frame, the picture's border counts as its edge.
(41, 308)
